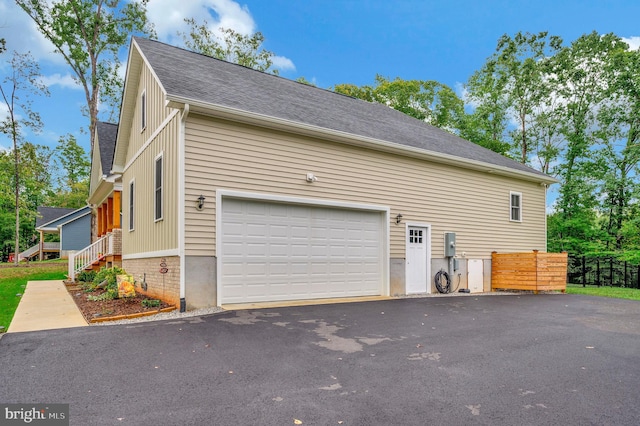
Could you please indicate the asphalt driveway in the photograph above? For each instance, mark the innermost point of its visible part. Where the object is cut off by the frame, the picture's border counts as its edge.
(492, 360)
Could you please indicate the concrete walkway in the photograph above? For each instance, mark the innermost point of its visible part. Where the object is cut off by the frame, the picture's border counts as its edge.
(46, 305)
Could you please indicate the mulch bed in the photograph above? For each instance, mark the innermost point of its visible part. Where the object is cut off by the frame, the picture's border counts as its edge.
(96, 311)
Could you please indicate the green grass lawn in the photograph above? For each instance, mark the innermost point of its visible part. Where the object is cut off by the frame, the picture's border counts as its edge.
(604, 291)
(13, 280)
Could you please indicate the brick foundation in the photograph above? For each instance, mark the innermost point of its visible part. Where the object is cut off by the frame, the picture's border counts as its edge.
(117, 241)
(163, 282)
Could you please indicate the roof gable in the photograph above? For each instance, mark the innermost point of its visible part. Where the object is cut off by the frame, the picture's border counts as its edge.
(48, 217)
(107, 133)
(135, 63)
(188, 77)
(102, 154)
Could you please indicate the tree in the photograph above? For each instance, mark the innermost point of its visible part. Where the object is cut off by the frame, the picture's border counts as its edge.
(7, 199)
(73, 181)
(579, 79)
(229, 45)
(89, 35)
(487, 124)
(303, 80)
(21, 82)
(36, 182)
(512, 87)
(73, 161)
(578, 75)
(426, 100)
(619, 135)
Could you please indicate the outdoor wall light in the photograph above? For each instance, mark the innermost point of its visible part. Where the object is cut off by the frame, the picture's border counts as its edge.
(399, 218)
(200, 204)
(311, 178)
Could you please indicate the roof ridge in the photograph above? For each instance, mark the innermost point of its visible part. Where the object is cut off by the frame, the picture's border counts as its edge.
(224, 61)
(185, 74)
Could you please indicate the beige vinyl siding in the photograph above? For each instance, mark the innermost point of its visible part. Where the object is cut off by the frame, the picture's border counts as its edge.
(150, 235)
(156, 112)
(475, 205)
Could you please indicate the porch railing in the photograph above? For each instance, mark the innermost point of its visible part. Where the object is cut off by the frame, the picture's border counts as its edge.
(33, 250)
(87, 256)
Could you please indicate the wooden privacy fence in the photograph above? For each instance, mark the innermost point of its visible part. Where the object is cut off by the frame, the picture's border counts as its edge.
(532, 271)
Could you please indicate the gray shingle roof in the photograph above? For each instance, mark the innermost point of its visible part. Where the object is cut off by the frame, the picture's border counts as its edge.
(193, 76)
(49, 214)
(107, 133)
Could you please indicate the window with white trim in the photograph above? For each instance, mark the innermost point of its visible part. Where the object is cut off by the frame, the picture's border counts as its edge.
(158, 181)
(515, 205)
(131, 204)
(143, 111)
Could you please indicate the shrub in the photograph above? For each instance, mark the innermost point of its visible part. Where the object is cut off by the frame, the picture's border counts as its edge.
(109, 274)
(107, 295)
(86, 276)
(89, 286)
(150, 303)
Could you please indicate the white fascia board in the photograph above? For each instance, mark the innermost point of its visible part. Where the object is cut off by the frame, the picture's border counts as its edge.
(136, 60)
(74, 219)
(261, 120)
(151, 254)
(103, 191)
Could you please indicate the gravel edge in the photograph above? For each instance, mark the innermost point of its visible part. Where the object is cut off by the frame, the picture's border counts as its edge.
(163, 316)
(215, 310)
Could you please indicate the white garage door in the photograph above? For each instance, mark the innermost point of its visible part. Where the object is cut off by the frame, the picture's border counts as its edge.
(271, 251)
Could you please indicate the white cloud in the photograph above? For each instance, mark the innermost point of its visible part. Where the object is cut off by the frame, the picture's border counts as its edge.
(168, 16)
(64, 81)
(633, 42)
(232, 15)
(283, 64)
(5, 142)
(464, 94)
(21, 34)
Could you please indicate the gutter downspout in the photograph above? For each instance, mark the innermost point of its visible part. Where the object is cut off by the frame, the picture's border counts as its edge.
(181, 207)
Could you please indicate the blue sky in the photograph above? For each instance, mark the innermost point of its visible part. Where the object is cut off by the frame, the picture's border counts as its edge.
(332, 42)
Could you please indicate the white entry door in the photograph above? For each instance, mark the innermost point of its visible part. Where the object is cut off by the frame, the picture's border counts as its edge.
(417, 260)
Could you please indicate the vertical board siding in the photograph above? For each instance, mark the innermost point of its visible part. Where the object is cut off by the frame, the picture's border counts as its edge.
(150, 235)
(475, 205)
(156, 112)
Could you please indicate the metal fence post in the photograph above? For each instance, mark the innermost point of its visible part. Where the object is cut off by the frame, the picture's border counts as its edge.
(611, 271)
(625, 273)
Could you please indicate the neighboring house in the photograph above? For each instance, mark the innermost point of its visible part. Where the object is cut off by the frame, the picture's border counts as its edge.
(240, 186)
(72, 225)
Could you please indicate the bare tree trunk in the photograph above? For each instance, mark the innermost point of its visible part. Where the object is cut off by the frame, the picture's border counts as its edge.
(16, 156)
